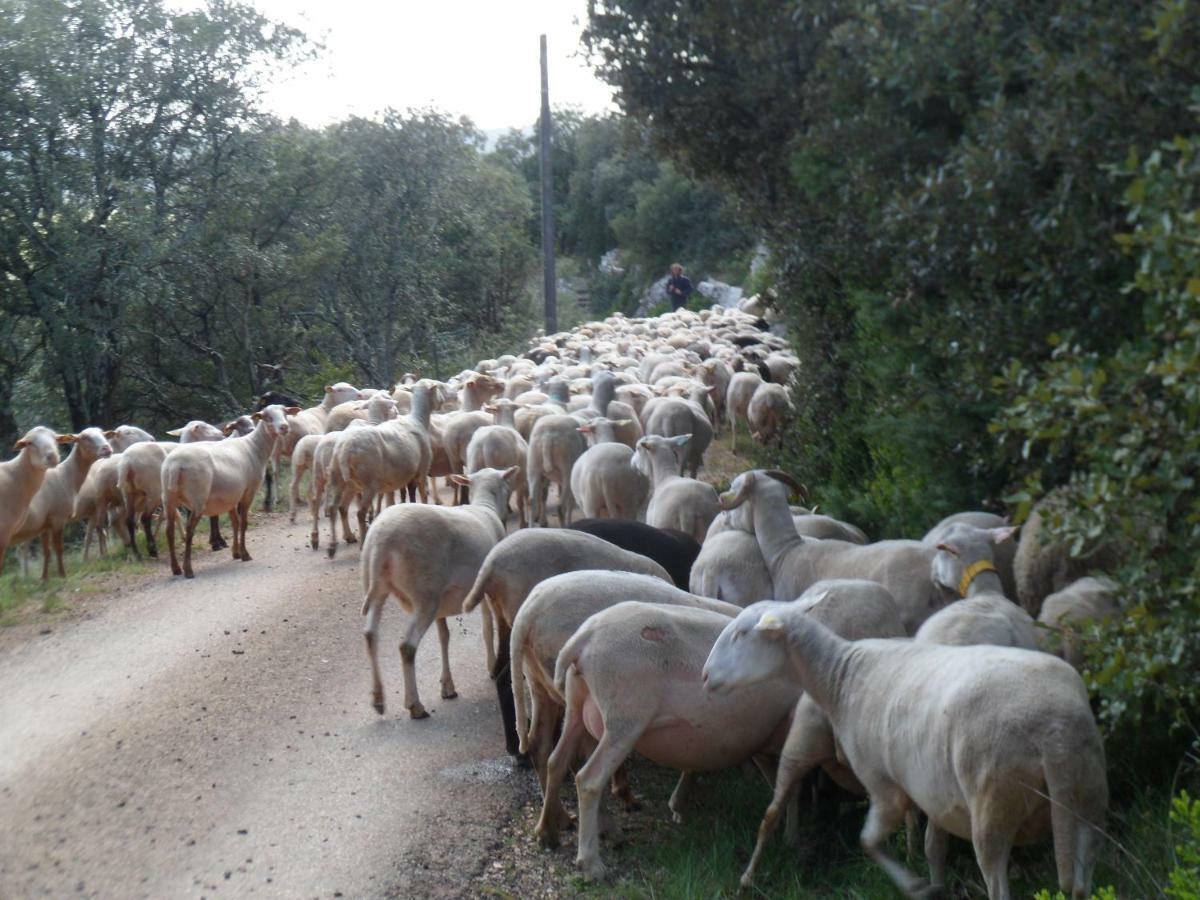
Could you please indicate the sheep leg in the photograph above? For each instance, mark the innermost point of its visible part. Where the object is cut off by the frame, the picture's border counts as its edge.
(416, 626)
(332, 502)
(344, 511)
(171, 516)
(131, 524)
(215, 541)
(448, 691)
(560, 760)
(800, 755)
(992, 849)
(189, 534)
(884, 817)
(622, 791)
(46, 555)
(613, 749)
(679, 796)
(937, 843)
(366, 502)
(58, 552)
(372, 610)
(489, 643)
(294, 493)
(87, 539)
(315, 496)
(243, 522)
(270, 476)
(235, 526)
(151, 540)
(502, 673)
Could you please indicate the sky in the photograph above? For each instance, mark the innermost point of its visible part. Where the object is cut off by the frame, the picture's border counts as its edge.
(477, 58)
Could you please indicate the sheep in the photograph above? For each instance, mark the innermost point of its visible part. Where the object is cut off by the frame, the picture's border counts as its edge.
(675, 501)
(742, 387)
(515, 566)
(52, 507)
(767, 411)
(675, 417)
(796, 562)
(603, 481)
(21, 478)
(1063, 612)
(369, 462)
(305, 421)
(853, 609)
(964, 563)
(428, 557)
(1004, 553)
(216, 477)
(554, 445)
(501, 447)
(730, 567)
(998, 743)
(716, 374)
(672, 549)
(632, 678)
(1043, 565)
(550, 615)
(101, 493)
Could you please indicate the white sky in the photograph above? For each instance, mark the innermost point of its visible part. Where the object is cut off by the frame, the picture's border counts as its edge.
(477, 58)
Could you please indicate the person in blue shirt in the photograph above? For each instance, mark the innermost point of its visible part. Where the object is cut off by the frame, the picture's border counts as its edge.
(679, 287)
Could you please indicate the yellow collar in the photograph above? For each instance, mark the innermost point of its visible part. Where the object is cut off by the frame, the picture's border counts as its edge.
(974, 570)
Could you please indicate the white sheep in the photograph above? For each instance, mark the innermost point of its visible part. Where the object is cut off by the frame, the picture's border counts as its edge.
(796, 562)
(427, 557)
(501, 447)
(211, 478)
(519, 563)
(53, 506)
(1065, 612)
(998, 745)
(684, 504)
(742, 386)
(306, 421)
(1005, 553)
(547, 619)
(768, 410)
(965, 564)
(554, 445)
(853, 609)
(22, 477)
(603, 479)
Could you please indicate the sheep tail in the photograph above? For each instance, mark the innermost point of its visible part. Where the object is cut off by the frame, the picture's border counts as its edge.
(1076, 816)
(569, 656)
(479, 588)
(516, 648)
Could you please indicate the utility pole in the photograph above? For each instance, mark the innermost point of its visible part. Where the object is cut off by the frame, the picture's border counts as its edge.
(549, 284)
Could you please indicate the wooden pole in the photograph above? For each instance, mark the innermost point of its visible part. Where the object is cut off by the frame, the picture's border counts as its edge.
(549, 283)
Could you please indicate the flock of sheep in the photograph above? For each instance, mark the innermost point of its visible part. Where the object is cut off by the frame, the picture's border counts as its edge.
(702, 630)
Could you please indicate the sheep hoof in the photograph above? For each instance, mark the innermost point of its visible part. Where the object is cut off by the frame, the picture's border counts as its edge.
(314, 542)
(332, 551)
(676, 818)
(547, 838)
(188, 573)
(417, 711)
(378, 705)
(451, 694)
(522, 761)
(246, 557)
(351, 539)
(593, 869)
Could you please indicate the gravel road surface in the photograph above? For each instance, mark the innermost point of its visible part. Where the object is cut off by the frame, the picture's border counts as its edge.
(214, 738)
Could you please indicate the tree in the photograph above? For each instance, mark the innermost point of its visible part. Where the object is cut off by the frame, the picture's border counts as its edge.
(119, 121)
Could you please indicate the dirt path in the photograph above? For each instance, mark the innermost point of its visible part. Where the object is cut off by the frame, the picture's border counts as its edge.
(214, 738)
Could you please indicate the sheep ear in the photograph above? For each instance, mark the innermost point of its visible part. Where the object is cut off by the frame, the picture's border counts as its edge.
(1000, 535)
(111, 434)
(227, 428)
(490, 407)
(328, 389)
(622, 423)
(68, 438)
(510, 474)
(953, 551)
(460, 479)
(175, 432)
(291, 410)
(20, 443)
(680, 439)
(256, 416)
(770, 623)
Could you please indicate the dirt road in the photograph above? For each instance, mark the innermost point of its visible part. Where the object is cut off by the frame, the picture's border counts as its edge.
(213, 738)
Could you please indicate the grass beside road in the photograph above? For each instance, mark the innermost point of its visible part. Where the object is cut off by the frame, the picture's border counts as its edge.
(25, 599)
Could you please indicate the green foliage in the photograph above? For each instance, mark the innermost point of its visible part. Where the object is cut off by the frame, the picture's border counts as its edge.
(1185, 877)
(932, 180)
(1121, 426)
